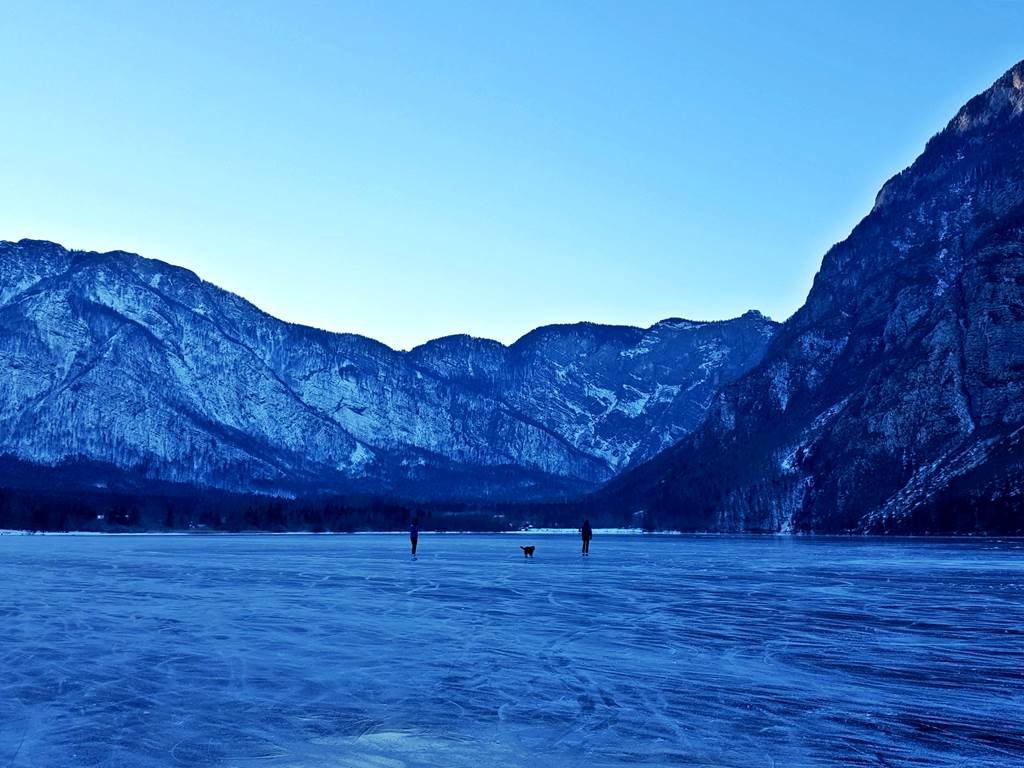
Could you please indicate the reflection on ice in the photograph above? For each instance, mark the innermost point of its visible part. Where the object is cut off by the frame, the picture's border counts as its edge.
(340, 651)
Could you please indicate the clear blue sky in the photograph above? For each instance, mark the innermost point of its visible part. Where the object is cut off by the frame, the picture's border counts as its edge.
(411, 169)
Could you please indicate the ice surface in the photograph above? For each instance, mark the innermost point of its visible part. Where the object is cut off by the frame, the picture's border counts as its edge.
(281, 651)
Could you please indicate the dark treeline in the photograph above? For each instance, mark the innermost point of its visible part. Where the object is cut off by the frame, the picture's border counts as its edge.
(216, 511)
(81, 496)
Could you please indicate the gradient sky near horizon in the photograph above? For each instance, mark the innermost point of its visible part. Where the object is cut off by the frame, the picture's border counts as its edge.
(408, 170)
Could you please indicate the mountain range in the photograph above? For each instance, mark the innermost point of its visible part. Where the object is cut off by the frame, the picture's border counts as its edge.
(126, 364)
(892, 401)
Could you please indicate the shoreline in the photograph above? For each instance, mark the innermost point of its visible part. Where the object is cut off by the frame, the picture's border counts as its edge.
(531, 532)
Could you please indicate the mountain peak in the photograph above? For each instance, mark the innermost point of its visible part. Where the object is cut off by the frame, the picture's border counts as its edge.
(977, 121)
(1003, 99)
(755, 314)
(1012, 78)
(38, 247)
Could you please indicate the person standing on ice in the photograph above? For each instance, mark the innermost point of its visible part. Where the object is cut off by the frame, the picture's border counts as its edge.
(587, 533)
(414, 534)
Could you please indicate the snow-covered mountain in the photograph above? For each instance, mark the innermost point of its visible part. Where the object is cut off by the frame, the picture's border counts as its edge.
(893, 400)
(125, 362)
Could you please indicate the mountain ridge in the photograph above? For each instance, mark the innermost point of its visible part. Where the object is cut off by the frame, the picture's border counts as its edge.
(51, 245)
(222, 393)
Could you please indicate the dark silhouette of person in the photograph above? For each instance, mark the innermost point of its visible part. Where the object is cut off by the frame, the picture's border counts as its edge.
(414, 535)
(587, 533)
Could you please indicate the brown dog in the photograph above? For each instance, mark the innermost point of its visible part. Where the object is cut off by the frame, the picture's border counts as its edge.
(527, 551)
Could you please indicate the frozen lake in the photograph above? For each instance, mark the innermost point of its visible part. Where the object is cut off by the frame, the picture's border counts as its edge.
(278, 651)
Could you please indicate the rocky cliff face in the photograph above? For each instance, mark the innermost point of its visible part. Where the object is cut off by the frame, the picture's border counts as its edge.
(893, 400)
(119, 360)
